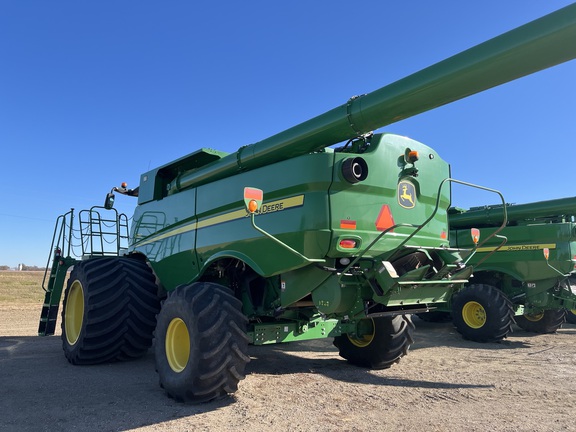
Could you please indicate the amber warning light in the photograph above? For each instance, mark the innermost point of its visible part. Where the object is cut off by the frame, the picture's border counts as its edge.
(475, 233)
(546, 253)
(253, 199)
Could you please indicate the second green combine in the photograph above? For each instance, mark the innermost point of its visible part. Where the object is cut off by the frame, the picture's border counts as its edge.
(526, 281)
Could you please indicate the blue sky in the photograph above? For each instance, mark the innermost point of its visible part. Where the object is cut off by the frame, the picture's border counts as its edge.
(93, 93)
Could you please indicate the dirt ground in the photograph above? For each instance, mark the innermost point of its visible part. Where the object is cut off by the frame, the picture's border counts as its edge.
(526, 383)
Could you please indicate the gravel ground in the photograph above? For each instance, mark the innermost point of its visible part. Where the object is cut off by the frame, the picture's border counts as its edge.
(525, 383)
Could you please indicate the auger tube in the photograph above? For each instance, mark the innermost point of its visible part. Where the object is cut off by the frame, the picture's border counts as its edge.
(492, 215)
(538, 45)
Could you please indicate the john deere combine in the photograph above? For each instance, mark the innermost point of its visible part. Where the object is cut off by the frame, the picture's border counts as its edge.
(287, 239)
(526, 280)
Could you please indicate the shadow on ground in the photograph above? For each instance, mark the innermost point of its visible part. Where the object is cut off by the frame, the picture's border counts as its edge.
(42, 391)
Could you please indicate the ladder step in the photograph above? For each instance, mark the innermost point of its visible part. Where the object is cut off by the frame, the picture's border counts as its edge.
(46, 328)
(48, 319)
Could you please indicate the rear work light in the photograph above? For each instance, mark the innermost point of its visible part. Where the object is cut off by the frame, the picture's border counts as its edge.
(354, 169)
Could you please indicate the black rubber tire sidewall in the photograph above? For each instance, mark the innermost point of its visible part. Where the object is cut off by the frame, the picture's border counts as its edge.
(499, 313)
(120, 307)
(211, 314)
(391, 341)
(551, 321)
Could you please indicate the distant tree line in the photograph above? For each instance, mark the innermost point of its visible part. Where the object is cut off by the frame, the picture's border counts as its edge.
(22, 267)
(31, 268)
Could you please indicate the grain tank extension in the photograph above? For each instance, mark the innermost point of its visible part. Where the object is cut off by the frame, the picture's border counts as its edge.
(323, 230)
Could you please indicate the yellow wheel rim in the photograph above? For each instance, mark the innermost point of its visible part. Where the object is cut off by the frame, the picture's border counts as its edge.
(177, 345)
(474, 314)
(573, 311)
(74, 312)
(534, 317)
(367, 329)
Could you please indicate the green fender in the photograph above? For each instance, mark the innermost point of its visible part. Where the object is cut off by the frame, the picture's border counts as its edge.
(230, 254)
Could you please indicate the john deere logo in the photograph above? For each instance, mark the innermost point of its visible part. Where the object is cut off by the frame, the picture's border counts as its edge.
(406, 194)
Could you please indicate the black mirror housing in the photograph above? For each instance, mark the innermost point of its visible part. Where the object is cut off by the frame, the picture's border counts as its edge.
(109, 201)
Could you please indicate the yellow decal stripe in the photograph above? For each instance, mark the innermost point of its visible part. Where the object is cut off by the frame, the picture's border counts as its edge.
(180, 230)
(271, 207)
(226, 217)
(514, 248)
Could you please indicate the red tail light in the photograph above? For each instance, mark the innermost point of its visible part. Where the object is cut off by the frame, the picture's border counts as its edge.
(348, 244)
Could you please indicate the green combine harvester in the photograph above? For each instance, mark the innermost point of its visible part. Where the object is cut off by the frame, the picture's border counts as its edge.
(527, 281)
(325, 230)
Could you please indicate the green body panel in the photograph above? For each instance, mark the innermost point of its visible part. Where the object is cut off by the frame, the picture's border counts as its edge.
(305, 205)
(317, 328)
(362, 203)
(306, 201)
(428, 295)
(519, 268)
(310, 207)
(296, 210)
(297, 284)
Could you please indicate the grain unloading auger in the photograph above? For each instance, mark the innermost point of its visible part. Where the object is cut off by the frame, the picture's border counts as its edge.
(525, 50)
(549, 211)
(346, 244)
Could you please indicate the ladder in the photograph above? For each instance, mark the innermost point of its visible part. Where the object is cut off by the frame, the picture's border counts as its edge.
(97, 232)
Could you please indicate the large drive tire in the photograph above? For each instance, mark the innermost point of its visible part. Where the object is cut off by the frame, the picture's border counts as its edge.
(385, 341)
(546, 322)
(201, 343)
(109, 310)
(482, 313)
(571, 316)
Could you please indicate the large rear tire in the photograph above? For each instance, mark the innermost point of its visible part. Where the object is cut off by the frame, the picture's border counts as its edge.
(109, 310)
(385, 340)
(201, 343)
(546, 322)
(482, 313)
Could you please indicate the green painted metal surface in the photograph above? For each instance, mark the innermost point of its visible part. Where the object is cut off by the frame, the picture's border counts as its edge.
(307, 205)
(319, 328)
(555, 210)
